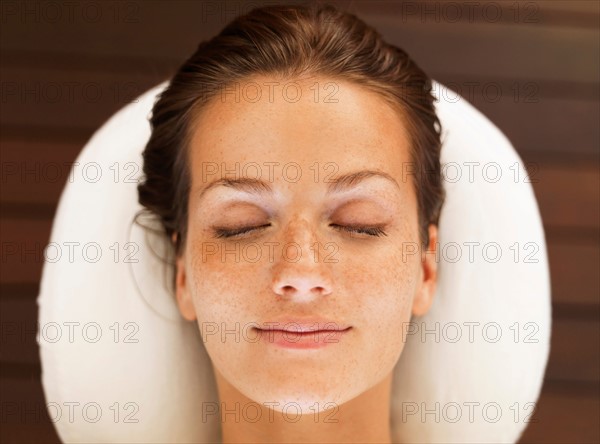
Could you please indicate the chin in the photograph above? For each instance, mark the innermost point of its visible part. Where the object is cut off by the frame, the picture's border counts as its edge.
(309, 395)
(306, 403)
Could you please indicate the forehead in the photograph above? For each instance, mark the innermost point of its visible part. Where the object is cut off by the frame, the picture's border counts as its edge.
(314, 120)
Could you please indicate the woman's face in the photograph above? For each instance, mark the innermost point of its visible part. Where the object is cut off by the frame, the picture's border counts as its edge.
(323, 181)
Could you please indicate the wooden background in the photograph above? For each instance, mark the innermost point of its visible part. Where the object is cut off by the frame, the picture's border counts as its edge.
(100, 55)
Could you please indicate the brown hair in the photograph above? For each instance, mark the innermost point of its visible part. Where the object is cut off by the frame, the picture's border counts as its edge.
(288, 41)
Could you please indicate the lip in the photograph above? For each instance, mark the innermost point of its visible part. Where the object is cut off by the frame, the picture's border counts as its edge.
(302, 334)
(303, 325)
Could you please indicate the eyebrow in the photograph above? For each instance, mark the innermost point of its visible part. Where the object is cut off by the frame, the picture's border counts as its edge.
(334, 185)
(350, 180)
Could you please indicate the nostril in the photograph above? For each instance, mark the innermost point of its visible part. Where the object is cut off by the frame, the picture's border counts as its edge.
(290, 290)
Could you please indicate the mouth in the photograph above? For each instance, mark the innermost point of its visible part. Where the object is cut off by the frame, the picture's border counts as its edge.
(304, 326)
(302, 335)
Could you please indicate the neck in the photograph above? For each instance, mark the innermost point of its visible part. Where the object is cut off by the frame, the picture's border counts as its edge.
(364, 419)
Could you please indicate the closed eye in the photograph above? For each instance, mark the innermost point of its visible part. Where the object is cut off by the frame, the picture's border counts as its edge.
(371, 231)
(237, 232)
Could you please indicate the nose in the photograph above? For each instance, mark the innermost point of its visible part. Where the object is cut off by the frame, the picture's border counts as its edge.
(301, 274)
(302, 284)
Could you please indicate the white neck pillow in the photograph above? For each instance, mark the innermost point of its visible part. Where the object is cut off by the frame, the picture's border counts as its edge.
(119, 364)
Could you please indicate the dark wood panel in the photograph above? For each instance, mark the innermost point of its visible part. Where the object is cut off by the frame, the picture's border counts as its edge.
(574, 350)
(574, 272)
(23, 412)
(581, 13)
(47, 97)
(479, 88)
(565, 413)
(566, 126)
(23, 243)
(589, 8)
(567, 196)
(523, 48)
(35, 172)
(38, 433)
(127, 28)
(18, 331)
(523, 51)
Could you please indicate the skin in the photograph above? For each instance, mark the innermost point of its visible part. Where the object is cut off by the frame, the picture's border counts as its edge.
(356, 280)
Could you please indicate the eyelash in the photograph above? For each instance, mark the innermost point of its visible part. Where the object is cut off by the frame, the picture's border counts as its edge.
(370, 231)
(225, 233)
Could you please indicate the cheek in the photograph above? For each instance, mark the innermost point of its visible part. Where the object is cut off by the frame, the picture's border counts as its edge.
(228, 284)
(224, 292)
(219, 280)
(383, 287)
(385, 274)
